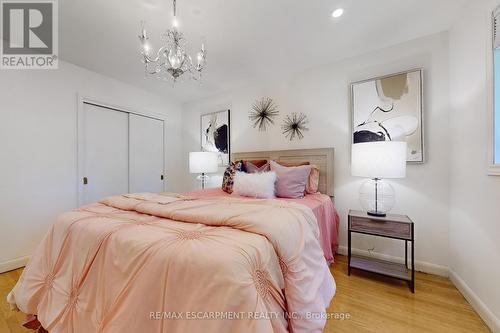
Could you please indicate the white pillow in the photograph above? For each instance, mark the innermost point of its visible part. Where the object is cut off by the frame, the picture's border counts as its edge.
(255, 185)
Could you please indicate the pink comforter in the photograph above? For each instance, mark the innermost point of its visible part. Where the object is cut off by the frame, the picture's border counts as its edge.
(322, 207)
(169, 263)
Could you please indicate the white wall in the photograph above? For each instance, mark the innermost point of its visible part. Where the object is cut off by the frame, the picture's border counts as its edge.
(474, 196)
(38, 177)
(323, 94)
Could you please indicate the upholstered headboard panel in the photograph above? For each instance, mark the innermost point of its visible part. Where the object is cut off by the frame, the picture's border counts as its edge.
(322, 157)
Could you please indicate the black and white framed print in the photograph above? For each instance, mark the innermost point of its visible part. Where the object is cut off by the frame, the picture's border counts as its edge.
(215, 134)
(390, 108)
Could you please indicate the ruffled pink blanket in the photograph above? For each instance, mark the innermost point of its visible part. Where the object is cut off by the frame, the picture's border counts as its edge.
(322, 207)
(169, 263)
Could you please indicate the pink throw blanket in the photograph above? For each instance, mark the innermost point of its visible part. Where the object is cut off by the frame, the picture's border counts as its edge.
(169, 263)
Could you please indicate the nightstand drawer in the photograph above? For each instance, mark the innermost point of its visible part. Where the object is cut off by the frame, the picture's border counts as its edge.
(385, 228)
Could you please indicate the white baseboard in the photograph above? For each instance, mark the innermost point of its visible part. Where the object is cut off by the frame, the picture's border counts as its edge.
(16, 263)
(484, 312)
(420, 266)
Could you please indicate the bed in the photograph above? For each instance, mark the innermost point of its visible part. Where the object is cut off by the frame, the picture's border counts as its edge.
(320, 204)
(172, 263)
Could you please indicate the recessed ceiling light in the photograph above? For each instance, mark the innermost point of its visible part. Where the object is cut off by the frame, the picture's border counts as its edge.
(337, 13)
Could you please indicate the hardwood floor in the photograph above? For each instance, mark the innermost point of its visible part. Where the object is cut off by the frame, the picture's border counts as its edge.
(380, 304)
(10, 321)
(373, 304)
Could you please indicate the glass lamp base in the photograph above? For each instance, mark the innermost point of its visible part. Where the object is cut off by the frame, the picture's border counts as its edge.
(376, 197)
(203, 178)
(377, 214)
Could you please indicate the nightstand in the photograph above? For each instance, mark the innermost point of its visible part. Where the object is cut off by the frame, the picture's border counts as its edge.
(392, 226)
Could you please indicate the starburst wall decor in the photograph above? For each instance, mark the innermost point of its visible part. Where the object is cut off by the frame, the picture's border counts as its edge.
(263, 112)
(294, 125)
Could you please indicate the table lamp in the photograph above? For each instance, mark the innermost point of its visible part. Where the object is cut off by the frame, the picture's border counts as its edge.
(378, 160)
(203, 162)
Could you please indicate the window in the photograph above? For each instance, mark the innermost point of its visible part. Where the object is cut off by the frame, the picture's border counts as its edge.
(495, 117)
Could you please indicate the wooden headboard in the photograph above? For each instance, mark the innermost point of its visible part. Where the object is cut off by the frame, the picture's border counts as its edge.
(322, 157)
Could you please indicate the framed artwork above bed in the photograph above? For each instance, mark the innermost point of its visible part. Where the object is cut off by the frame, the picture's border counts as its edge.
(215, 134)
(390, 108)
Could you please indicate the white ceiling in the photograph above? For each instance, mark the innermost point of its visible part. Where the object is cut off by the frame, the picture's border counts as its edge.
(246, 41)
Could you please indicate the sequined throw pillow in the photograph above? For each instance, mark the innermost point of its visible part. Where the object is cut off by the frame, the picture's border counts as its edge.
(228, 180)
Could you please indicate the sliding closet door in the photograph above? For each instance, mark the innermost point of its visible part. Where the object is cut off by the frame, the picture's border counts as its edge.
(105, 153)
(146, 154)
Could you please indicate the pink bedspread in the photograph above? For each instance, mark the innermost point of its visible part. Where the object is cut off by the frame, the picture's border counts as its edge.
(320, 204)
(170, 263)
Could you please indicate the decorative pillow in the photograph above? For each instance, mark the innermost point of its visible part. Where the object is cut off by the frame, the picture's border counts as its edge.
(313, 180)
(291, 181)
(292, 164)
(257, 163)
(250, 167)
(228, 179)
(255, 185)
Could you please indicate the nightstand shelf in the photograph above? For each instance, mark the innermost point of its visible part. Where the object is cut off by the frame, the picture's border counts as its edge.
(392, 269)
(392, 226)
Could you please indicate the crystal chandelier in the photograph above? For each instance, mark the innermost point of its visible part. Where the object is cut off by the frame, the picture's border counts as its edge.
(171, 60)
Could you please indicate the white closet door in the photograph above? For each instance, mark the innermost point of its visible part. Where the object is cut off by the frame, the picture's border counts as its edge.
(106, 152)
(146, 154)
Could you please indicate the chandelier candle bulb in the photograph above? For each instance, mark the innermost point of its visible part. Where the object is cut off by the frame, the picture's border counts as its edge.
(143, 36)
(146, 47)
(201, 56)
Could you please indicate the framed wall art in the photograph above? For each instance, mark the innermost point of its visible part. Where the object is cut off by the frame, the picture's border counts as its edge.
(390, 108)
(215, 134)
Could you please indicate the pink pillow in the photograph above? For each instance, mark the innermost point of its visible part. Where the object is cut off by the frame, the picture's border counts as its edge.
(252, 168)
(313, 181)
(291, 181)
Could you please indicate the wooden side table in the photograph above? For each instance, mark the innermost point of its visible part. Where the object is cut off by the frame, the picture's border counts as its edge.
(392, 226)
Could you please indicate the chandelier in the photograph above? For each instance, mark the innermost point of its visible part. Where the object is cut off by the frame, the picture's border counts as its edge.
(171, 61)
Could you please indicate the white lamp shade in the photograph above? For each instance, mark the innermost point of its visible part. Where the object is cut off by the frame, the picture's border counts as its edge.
(203, 162)
(381, 159)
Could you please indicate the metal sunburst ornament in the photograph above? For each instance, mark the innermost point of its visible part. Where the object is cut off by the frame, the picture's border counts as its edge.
(263, 112)
(294, 125)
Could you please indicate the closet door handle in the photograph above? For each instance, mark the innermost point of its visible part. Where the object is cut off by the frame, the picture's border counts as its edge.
(85, 181)
(162, 177)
